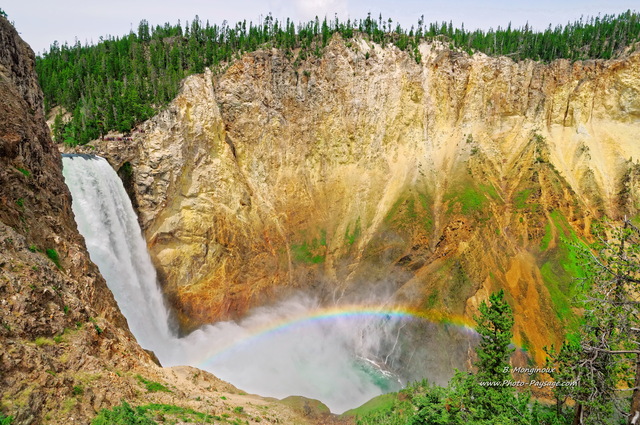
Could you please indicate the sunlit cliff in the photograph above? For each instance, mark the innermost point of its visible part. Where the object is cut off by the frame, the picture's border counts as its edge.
(445, 179)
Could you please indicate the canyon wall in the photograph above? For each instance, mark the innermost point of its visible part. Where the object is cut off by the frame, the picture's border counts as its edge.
(65, 348)
(443, 180)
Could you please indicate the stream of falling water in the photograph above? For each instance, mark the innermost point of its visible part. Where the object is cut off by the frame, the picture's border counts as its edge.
(337, 355)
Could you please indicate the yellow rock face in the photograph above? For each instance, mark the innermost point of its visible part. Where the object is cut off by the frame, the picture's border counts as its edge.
(449, 179)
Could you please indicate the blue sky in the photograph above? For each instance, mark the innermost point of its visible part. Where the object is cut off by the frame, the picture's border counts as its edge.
(40, 22)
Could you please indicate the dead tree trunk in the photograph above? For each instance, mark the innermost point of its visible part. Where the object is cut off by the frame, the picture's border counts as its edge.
(577, 419)
(634, 413)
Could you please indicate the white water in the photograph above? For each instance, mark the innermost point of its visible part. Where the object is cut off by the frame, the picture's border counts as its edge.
(106, 219)
(341, 361)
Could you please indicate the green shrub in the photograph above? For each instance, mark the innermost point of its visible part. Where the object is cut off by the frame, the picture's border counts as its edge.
(40, 341)
(186, 414)
(53, 256)
(126, 170)
(122, 415)
(152, 386)
(95, 325)
(25, 172)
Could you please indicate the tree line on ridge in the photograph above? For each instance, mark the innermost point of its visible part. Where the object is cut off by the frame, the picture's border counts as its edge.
(121, 81)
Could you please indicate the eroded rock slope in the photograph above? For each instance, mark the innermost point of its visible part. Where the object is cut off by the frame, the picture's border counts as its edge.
(446, 179)
(65, 349)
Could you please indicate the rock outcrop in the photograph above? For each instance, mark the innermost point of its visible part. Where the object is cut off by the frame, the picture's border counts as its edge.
(448, 179)
(65, 349)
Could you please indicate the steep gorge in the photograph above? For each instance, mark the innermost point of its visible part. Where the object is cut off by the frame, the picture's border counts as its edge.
(445, 179)
(65, 349)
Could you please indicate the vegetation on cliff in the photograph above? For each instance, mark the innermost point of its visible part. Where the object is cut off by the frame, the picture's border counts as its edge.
(486, 397)
(594, 377)
(122, 81)
(603, 356)
(150, 414)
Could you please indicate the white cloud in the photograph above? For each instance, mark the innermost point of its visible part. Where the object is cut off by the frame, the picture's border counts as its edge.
(309, 9)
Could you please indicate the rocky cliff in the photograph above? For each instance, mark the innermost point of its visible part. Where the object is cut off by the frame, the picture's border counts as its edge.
(65, 349)
(447, 179)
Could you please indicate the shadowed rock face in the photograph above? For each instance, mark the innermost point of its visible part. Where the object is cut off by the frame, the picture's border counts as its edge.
(447, 179)
(41, 299)
(34, 201)
(65, 349)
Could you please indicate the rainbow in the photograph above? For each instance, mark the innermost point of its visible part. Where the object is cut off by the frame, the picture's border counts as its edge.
(350, 311)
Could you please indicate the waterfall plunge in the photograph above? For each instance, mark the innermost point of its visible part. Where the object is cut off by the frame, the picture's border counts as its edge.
(272, 352)
(106, 219)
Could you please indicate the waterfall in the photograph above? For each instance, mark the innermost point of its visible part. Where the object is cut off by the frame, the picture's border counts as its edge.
(106, 219)
(338, 355)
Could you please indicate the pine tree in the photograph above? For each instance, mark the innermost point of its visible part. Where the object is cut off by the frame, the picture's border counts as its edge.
(487, 397)
(494, 326)
(609, 357)
(564, 363)
(497, 402)
(58, 128)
